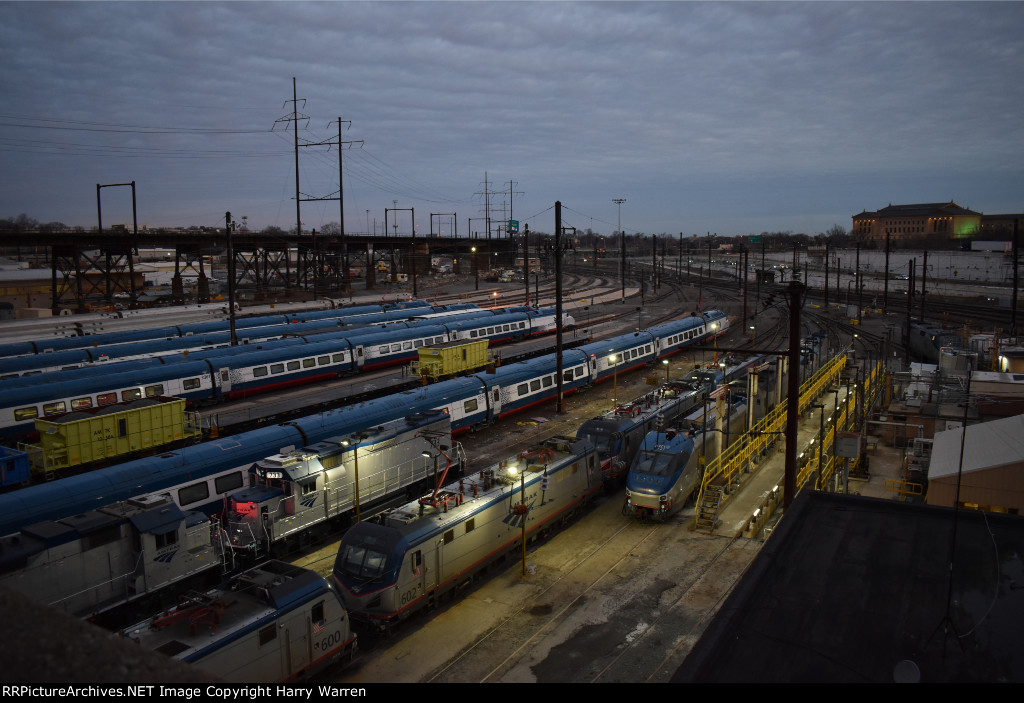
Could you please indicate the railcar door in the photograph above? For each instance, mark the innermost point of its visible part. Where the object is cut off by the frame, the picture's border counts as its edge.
(495, 402)
(298, 639)
(224, 383)
(357, 358)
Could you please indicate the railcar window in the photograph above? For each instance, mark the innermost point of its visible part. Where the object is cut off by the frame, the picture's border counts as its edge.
(308, 363)
(268, 634)
(166, 539)
(26, 413)
(338, 358)
(523, 389)
(54, 408)
(470, 524)
(277, 368)
(418, 343)
(567, 376)
(223, 484)
(407, 345)
(317, 613)
(506, 328)
(192, 383)
(548, 381)
(535, 384)
(579, 372)
(647, 348)
(449, 536)
(293, 366)
(396, 347)
(323, 360)
(154, 391)
(81, 403)
(258, 372)
(360, 562)
(470, 405)
(106, 399)
(193, 493)
(472, 333)
(522, 325)
(131, 394)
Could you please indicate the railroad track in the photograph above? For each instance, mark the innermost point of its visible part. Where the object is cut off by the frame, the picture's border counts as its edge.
(610, 600)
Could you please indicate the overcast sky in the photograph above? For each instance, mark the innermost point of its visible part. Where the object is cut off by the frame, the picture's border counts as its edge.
(732, 118)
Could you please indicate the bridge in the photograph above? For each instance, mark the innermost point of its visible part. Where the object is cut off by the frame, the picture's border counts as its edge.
(97, 265)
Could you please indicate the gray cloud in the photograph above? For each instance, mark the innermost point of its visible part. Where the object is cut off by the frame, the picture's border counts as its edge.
(706, 116)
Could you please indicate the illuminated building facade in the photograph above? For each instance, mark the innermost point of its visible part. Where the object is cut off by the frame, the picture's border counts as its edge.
(917, 221)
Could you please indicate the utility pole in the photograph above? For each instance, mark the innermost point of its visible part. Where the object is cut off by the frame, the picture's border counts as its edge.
(231, 277)
(795, 292)
(885, 290)
(924, 281)
(622, 262)
(860, 287)
(526, 264)
(317, 259)
(1013, 305)
(487, 204)
(558, 301)
(295, 117)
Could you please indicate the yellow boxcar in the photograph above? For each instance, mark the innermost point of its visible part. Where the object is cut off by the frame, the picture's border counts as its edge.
(451, 359)
(85, 436)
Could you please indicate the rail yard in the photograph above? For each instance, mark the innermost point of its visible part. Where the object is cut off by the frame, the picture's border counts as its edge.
(589, 593)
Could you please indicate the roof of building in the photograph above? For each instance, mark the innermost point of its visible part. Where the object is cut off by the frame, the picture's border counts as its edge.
(987, 445)
(917, 210)
(854, 589)
(924, 209)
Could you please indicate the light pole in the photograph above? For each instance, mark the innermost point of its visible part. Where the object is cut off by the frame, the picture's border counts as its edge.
(622, 261)
(354, 443)
(821, 438)
(476, 272)
(667, 367)
(615, 381)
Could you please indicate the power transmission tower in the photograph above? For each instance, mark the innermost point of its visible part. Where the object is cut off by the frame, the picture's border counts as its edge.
(487, 203)
(295, 117)
(341, 144)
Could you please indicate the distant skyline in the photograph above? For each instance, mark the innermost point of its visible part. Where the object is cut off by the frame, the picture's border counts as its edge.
(725, 117)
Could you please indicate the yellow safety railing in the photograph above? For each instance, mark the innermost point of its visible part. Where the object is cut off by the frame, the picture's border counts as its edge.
(749, 448)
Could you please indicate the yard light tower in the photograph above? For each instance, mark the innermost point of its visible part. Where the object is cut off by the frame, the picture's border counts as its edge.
(622, 261)
(615, 380)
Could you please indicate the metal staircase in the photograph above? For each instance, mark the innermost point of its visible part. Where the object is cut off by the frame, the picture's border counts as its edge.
(707, 509)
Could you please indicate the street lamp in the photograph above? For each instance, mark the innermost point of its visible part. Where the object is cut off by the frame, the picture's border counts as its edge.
(476, 271)
(667, 367)
(354, 443)
(614, 360)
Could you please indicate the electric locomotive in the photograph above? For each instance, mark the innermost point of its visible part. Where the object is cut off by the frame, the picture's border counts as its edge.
(417, 553)
(274, 622)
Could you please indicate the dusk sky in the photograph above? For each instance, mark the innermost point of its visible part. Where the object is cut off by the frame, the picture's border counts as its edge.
(728, 117)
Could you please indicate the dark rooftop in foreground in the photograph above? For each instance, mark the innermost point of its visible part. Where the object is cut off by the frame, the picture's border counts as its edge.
(855, 589)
